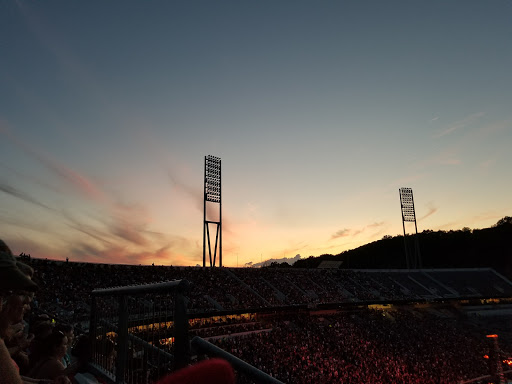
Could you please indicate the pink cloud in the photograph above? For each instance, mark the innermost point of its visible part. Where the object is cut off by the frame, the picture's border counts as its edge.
(77, 180)
(164, 255)
(81, 183)
(128, 222)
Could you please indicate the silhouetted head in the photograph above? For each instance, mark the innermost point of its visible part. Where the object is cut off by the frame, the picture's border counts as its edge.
(56, 344)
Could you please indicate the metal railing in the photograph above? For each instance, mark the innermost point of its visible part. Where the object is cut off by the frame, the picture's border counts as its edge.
(139, 332)
(202, 346)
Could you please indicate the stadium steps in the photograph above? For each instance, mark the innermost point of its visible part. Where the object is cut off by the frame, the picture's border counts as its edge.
(214, 302)
(341, 289)
(311, 294)
(453, 292)
(246, 286)
(432, 295)
(279, 295)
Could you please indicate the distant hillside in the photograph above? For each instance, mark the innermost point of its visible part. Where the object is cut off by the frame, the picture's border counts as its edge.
(466, 248)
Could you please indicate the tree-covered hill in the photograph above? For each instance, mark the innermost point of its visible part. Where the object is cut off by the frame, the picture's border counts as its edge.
(466, 248)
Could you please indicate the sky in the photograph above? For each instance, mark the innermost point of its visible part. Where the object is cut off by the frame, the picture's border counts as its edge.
(320, 111)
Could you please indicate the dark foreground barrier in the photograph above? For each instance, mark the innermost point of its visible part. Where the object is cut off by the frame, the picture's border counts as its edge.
(204, 347)
(139, 333)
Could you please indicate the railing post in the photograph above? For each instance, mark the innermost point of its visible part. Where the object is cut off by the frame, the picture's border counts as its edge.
(93, 328)
(122, 340)
(181, 341)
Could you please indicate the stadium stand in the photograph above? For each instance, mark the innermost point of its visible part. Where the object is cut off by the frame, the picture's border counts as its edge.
(299, 326)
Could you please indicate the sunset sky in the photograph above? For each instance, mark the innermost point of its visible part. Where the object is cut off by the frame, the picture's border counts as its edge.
(319, 110)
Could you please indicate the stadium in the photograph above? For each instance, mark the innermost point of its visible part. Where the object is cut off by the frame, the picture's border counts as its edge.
(302, 271)
(324, 325)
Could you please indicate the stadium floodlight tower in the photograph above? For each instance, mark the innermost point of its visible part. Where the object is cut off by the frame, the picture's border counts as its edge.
(409, 215)
(212, 195)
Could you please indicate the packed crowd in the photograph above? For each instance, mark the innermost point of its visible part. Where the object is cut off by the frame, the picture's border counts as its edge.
(38, 331)
(371, 346)
(227, 330)
(232, 289)
(37, 347)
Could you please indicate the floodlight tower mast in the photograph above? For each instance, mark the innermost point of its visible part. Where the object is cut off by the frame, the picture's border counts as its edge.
(409, 214)
(212, 194)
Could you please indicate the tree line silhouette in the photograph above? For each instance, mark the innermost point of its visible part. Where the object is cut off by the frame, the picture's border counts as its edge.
(464, 248)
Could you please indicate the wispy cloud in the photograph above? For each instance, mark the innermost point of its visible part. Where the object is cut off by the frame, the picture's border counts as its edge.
(183, 188)
(22, 195)
(486, 165)
(459, 124)
(341, 233)
(90, 231)
(78, 181)
(130, 222)
(129, 233)
(118, 229)
(166, 254)
(346, 232)
(431, 210)
(449, 225)
(118, 222)
(28, 223)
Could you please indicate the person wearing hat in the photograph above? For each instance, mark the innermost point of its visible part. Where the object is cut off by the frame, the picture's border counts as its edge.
(11, 278)
(15, 279)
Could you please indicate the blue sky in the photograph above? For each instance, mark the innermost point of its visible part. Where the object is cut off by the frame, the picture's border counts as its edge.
(319, 111)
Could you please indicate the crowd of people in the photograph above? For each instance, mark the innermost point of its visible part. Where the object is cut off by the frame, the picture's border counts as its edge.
(367, 346)
(231, 289)
(46, 304)
(34, 348)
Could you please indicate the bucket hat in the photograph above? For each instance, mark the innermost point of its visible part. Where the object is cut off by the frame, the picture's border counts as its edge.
(11, 277)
